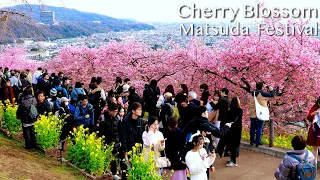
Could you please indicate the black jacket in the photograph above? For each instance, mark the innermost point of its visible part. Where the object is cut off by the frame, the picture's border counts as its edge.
(132, 98)
(222, 106)
(44, 107)
(150, 97)
(24, 107)
(131, 132)
(204, 97)
(167, 111)
(175, 141)
(198, 121)
(109, 127)
(234, 135)
(190, 111)
(44, 86)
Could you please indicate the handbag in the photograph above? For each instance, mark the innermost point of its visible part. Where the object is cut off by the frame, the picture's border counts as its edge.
(261, 112)
(163, 162)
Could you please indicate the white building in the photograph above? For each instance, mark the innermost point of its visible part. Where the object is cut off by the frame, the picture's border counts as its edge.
(47, 17)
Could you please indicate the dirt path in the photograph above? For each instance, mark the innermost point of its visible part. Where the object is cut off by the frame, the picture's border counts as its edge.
(252, 166)
(18, 163)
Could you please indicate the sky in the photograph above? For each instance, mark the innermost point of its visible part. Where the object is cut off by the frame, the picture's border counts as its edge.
(162, 10)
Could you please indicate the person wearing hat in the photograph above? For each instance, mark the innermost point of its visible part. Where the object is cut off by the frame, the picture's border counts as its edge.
(66, 114)
(54, 101)
(76, 93)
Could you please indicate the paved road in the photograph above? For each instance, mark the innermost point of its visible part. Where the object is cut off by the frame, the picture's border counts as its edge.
(252, 166)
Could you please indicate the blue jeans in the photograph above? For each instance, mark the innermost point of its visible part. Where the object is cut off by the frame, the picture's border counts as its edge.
(256, 128)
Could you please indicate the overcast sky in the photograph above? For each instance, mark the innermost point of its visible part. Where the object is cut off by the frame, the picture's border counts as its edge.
(160, 10)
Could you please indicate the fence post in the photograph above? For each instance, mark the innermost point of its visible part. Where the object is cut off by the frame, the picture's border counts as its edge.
(271, 138)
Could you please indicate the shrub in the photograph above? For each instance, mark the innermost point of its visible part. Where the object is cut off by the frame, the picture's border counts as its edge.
(141, 168)
(9, 120)
(1, 111)
(89, 153)
(48, 130)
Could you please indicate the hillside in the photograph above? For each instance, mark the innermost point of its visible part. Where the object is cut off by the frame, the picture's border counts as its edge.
(72, 23)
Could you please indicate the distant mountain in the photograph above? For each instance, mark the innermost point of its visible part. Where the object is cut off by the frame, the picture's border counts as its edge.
(72, 23)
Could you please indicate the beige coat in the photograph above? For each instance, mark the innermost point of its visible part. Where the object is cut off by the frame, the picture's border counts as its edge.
(262, 98)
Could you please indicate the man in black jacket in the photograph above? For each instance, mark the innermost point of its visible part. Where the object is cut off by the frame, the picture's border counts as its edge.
(109, 127)
(43, 105)
(190, 108)
(133, 97)
(131, 130)
(200, 119)
(45, 85)
(151, 95)
(222, 106)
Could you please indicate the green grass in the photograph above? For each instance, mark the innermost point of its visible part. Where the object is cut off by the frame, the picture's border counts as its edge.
(280, 140)
(18, 163)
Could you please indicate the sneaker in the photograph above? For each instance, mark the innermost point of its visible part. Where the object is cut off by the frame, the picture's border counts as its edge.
(116, 177)
(231, 164)
(259, 144)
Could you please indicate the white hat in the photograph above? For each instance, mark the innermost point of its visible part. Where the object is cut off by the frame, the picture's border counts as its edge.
(167, 94)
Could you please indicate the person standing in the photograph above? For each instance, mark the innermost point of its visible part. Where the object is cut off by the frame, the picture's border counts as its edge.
(27, 121)
(44, 85)
(131, 130)
(6, 91)
(233, 138)
(150, 96)
(118, 89)
(222, 106)
(256, 125)
(314, 130)
(76, 93)
(197, 159)
(109, 128)
(43, 106)
(35, 77)
(153, 139)
(190, 109)
(204, 88)
(84, 114)
(175, 140)
(133, 98)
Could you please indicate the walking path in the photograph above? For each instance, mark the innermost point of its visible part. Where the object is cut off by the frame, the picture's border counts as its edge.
(17, 163)
(252, 166)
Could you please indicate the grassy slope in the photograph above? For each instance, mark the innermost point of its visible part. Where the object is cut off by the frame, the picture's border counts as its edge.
(18, 163)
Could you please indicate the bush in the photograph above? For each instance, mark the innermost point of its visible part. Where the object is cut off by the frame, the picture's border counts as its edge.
(89, 153)
(48, 130)
(142, 168)
(1, 111)
(9, 119)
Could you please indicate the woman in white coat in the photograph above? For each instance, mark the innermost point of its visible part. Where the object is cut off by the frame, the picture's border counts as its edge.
(198, 161)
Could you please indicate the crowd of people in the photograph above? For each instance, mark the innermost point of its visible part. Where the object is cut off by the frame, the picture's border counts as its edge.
(208, 124)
